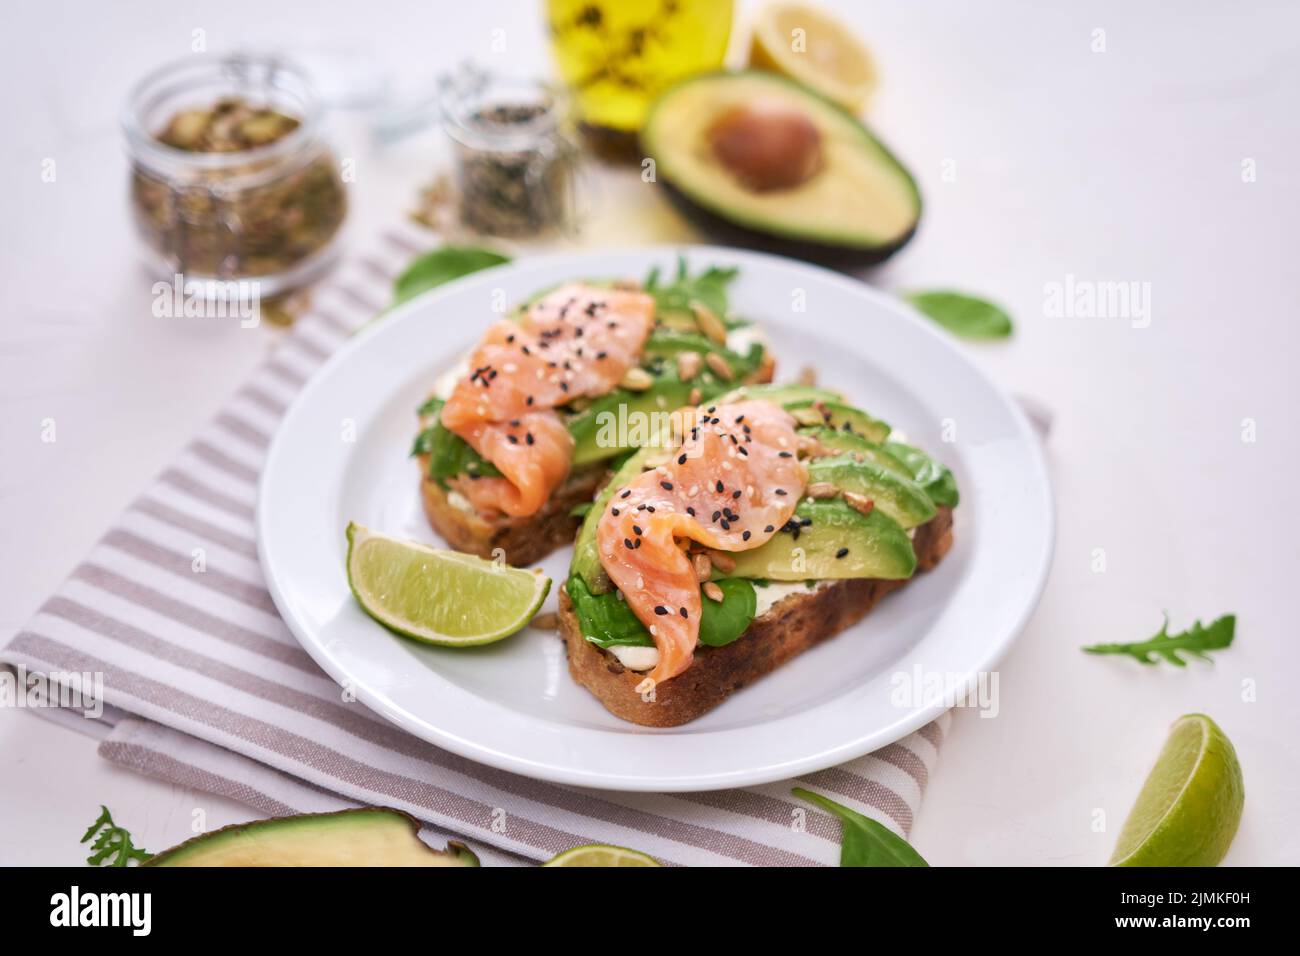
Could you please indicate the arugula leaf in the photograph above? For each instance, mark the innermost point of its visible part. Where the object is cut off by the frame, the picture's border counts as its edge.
(964, 315)
(1196, 640)
(864, 842)
(112, 841)
(709, 288)
(440, 266)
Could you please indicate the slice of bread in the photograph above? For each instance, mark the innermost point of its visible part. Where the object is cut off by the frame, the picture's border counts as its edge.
(790, 627)
(522, 541)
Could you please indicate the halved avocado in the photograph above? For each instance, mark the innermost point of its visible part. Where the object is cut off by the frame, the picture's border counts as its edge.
(837, 542)
(895, 494)
(766, 162)
(370, 836)
(837, 415)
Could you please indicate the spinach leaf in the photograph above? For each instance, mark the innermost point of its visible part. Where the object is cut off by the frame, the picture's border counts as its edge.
(604, 619)
(607, 621)
(449, 454)
(931, 475)
(864, 842)
(964, 315)
(721, 622)
(440, 266)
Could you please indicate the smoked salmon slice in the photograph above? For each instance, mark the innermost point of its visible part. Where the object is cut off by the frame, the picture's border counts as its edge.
(578, 341)
(730, 486)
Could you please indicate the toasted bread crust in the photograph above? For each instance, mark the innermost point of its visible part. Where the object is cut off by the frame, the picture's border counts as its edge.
(523, 541)
(791, 627)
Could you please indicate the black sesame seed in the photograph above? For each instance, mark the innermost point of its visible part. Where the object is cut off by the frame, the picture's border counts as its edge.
(720, 487)
(681, 459)
(745, 536)
(780, 491)
(529, 400)
(684, 614)
(690, 511)
(614, 512)
(716, 515)
(627, 543)
(528, 437)
(726, 525)
(666, 485)
(736, 493)
(650, 508)
(660, 610)
(636, 529)
(769, 529)
(637, 545)
(512, 439)
(626, 492)
(785, 454)
(841, 552)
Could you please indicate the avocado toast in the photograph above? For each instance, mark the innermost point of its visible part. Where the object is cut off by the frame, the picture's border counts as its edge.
(779, 518)
(513, 445)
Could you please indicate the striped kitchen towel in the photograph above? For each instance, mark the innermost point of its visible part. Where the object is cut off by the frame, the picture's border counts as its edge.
(207, 687)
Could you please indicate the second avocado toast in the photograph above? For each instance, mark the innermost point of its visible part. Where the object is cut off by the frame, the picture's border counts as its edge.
(606, 356)
(779, 517)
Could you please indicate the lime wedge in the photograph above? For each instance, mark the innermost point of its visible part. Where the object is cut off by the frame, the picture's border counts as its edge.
(442, 597)
(597, 854)
(1190, 805)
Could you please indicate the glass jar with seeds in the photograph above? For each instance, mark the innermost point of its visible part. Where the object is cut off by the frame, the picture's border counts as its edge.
(231, 179)
(516, 167)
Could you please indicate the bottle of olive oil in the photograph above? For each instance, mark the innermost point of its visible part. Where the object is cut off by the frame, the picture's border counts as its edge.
(617, 55)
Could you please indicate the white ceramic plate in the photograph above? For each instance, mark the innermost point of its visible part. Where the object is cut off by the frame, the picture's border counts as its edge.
(512, 704)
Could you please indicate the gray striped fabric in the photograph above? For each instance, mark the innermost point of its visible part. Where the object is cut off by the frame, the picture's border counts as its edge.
(217, 694)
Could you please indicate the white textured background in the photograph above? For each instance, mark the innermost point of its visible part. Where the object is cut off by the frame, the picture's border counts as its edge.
(1122, 165)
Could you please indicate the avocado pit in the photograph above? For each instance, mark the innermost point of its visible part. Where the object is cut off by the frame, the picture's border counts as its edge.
(767, 145)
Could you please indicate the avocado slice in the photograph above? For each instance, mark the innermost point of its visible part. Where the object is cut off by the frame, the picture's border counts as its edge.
(896, 495)
(837, 442)
(370, 836)
(839, 416)
(817, 186)
(836, 542)
(596, 429)
(586, 555)
(783, 395)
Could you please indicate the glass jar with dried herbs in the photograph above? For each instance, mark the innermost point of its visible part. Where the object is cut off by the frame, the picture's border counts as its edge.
(231, 179)
(516, 166)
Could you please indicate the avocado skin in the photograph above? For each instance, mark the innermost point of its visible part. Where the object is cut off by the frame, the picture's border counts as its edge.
(191, 852)
(822, 253)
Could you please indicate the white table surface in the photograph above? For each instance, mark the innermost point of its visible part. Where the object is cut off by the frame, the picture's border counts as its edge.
(1116, 165)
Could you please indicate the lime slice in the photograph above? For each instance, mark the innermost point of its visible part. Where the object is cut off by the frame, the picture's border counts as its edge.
(806, 44)
(598, 854)
(442, 597)
(1190, 805)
